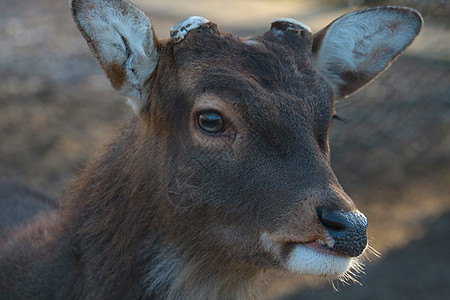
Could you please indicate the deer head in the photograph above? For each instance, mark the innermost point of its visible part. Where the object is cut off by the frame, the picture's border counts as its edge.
(235, 132)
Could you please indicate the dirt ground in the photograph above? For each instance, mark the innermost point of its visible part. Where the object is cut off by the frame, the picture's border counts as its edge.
(392, 156)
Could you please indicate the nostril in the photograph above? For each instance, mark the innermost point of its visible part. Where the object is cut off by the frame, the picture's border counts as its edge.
(348, 230)
(333, 220)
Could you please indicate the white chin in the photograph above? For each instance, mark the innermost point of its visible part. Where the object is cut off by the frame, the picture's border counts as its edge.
(306, 260)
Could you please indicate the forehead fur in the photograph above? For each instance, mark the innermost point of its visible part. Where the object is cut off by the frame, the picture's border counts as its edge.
(265, 57)
(271, 81)
(274, 62)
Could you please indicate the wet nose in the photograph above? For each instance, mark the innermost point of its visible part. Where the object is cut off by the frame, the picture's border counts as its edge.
(348, 230)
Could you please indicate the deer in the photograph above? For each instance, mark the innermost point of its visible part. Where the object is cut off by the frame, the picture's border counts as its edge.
(222, 178)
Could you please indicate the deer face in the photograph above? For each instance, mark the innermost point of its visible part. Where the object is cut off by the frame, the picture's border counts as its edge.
(243, 126)
(249, 156)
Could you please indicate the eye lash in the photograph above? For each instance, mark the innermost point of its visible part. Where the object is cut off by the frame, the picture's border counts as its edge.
(338, 118)
(228, 124)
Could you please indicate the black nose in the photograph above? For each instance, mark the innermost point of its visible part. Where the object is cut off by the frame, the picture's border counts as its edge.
(348, 230)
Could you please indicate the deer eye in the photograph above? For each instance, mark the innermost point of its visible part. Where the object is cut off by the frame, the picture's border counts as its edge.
(211, 122)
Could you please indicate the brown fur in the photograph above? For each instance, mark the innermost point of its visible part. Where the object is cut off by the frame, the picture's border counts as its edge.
(158, 188)
(116, 75)
(171, 212)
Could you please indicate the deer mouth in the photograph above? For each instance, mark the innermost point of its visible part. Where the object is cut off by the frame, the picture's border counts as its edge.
(317, 245)
(321, 247)
(314, 258)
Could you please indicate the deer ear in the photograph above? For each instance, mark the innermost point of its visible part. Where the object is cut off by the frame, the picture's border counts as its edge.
(358, 46)
(122, 39)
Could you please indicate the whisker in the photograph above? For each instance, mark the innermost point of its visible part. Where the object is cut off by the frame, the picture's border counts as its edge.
(335, 287)
(374, 251)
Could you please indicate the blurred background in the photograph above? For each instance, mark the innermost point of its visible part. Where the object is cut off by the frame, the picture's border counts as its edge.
(392, 157)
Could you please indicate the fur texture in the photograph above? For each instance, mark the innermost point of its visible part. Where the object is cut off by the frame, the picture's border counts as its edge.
(122, 39)
(360, 45)
(172, 211)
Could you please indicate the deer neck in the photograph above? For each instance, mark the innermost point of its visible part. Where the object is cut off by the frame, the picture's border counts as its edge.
(124, 244)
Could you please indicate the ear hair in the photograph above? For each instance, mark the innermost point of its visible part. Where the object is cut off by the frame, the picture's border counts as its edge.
(355, 48)
(122, 39)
